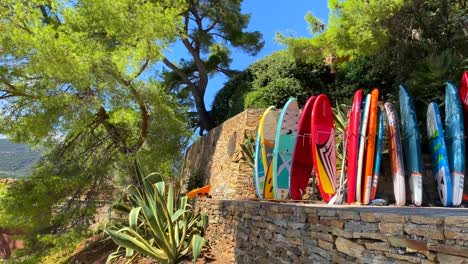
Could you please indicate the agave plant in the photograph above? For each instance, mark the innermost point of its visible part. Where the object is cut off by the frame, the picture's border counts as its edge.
(247, 150)
(340, 116)
(160, 225)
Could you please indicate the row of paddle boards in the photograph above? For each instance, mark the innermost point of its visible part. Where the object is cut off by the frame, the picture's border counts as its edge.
(291, 144)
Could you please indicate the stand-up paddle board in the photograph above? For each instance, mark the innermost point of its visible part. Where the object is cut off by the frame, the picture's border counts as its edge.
(370, 150)
(302, 164)
(323, 146)
(362, 147)
(411, 145)
(268, 123)
(396, 155)
(378, 153)
(439, 158)
(259, 172)
(455, 141)
(286, 133)
(352, 144)
(464, 100)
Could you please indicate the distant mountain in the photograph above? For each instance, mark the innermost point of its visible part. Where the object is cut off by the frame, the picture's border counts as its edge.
(16, 160)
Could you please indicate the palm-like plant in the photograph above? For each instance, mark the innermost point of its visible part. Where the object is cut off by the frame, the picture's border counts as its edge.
(340, 117)
(160, 225)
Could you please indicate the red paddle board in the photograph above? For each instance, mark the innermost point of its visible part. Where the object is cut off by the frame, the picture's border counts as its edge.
(323, 146)
(352, 144)
(464, 100)
(302, 163)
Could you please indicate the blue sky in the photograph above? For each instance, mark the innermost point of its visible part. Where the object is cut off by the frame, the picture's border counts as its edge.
(268, 17)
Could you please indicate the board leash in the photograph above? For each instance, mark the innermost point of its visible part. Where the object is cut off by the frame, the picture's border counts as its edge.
(338, 197)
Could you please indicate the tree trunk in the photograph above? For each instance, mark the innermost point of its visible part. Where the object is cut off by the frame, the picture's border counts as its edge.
(204, 118)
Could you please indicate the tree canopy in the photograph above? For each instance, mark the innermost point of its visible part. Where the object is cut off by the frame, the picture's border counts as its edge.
(75, 78)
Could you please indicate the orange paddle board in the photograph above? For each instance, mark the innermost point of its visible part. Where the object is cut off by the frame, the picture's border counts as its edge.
(371, 133)
(202, 191)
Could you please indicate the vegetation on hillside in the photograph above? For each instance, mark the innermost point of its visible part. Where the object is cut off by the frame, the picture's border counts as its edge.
(16, 159)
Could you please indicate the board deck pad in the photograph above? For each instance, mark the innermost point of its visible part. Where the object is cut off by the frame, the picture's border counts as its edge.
(352, 144)
(411, 145)
(362, 147)
(396, 155)
(455, 141)
(370, 149)
(302, 162)
(439, 157)
(378, 153)
(269, 124)
(323, 146)
(286, 134)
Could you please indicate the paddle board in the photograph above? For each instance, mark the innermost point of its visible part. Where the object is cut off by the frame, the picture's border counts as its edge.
(302, 163)
(411, 145)
(370, 149)
(268, 123)
(455, 141)
(323, 146)
(259, 172)
(439, 157)
(464, 100)
(352, 144)
(362, 147)
(378, 153)
(286, 133)
(396, 155)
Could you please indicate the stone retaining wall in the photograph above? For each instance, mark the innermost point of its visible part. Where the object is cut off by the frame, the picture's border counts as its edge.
(216, 158)
(268, 232)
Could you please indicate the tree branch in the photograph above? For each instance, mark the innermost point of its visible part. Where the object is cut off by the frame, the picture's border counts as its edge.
(140, 71)
(179, 72)
(13, 91)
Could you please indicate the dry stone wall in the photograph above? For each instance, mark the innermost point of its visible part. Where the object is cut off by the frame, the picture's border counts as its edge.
(267, 232)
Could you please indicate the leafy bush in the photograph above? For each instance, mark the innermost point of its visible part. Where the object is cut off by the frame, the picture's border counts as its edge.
(160, 225)
(270, 81)
(51, 249)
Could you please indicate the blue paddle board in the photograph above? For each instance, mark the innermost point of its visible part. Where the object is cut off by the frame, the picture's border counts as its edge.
(439, 160)
(455, 141)
(411, 145)
(378, 152)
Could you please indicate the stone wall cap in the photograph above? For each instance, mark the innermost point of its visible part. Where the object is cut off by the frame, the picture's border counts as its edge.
(407, 210)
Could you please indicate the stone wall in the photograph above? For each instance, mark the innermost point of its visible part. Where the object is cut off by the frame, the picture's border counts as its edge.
(216, 159)
(267, 232)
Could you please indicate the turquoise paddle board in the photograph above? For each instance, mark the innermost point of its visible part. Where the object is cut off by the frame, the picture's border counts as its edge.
(455, 141)
(378, 152)
(411, 145)
(439, 159)
(286, 134)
